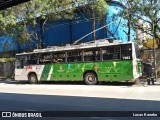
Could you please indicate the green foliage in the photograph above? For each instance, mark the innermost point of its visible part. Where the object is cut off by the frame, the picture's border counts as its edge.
(14, 20)
(4, 60)
(98, 7)
(148, 44)
(148, 11)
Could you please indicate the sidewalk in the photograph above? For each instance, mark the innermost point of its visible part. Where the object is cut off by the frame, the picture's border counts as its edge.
(143, 81)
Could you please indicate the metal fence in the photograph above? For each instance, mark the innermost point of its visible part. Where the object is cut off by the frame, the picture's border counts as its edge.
(6, 69)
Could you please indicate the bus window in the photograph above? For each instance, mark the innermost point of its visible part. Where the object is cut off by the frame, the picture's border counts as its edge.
(96, 55)
(92, 55)
(58, 57)
(20, 62)
(74, 56)
(44, 58)
(126, 52)
(32, 59)
(111, 53)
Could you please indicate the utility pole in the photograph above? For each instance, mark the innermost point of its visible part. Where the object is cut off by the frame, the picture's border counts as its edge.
(154, 52)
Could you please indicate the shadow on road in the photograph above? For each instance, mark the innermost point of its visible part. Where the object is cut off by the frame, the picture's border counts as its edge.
(69, 83)
(13, 82)
(129, 84)
(29, 102)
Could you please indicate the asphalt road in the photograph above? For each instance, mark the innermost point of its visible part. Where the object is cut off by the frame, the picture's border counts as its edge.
(52, 96)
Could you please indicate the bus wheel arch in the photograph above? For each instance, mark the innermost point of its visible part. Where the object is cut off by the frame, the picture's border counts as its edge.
(90, 77)
(32, 78)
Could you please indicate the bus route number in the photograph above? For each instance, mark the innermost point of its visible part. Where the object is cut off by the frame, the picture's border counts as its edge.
(126, 58)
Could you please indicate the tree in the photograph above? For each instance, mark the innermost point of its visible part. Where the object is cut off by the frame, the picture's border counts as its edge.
(148, 11)
(16, 20)
(148, 44)
(127, 13)
(97, 10)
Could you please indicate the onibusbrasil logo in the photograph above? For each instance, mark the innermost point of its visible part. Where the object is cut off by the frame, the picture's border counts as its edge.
(21, 114)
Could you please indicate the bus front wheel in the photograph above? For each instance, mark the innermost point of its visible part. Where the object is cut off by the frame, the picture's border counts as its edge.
(33, 79)
(90, 78)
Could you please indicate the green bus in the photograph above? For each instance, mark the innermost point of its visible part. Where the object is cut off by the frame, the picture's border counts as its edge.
(88, 62)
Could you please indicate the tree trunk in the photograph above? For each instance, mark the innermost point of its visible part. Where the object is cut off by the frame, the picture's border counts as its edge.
(157, 38)
(103, 23)
(41, 34)
(129, 27)
(93, 26)
(70, 31)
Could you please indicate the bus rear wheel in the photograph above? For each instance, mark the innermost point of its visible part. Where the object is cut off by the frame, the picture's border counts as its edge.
(90, 78)
(33, 79)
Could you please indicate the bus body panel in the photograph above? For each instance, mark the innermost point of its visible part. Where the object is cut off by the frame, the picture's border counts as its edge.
(22, 74)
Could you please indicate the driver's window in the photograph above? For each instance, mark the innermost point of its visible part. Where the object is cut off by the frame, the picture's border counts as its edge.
(19, 63)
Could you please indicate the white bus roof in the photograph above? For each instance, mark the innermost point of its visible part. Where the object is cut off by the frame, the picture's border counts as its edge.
(97, 43)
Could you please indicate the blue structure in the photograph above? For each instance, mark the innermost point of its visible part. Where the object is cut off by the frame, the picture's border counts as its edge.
(120, 24)
(67, 31)
(7, 44)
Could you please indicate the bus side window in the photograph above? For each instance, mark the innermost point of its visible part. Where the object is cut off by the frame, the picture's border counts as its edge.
(44, 58)
(116, 54)
(111, 53)
(126, 52)
(58, 57)
(92, 55)
(96, 54)
(88, 56)
(74, 56)
(107, 53)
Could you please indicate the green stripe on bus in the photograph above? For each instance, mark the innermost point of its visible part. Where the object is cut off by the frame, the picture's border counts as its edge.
(46, 71)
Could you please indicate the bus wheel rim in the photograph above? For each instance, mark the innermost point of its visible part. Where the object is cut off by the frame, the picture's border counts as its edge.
(33, 79)
(90, 78)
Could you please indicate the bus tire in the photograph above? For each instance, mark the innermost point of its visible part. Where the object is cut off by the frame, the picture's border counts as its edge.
(33, 79)
(90, 78)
